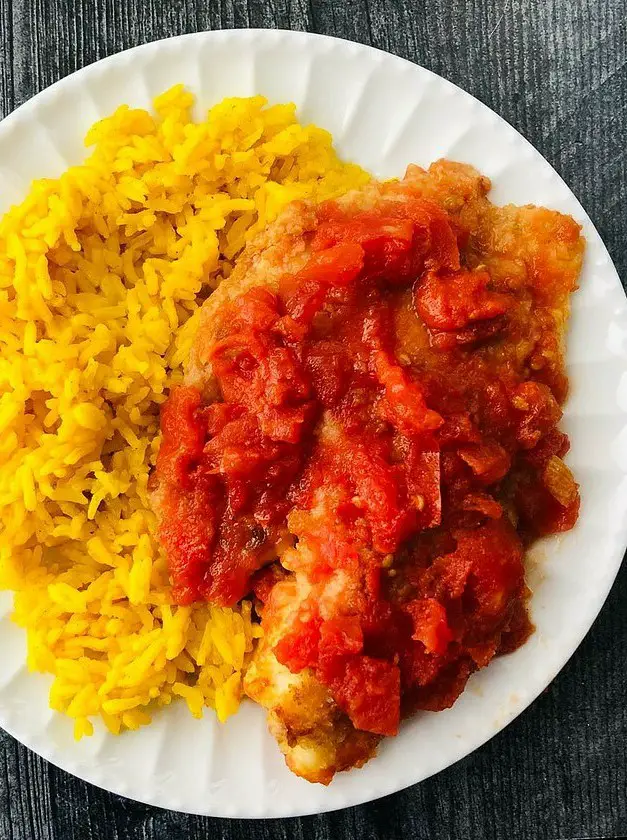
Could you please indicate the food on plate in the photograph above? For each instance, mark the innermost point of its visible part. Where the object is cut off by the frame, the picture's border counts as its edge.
(272, 427)
(101, 272)
(367, 439)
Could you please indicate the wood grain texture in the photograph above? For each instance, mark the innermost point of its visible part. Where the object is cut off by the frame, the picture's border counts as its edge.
(557, 70)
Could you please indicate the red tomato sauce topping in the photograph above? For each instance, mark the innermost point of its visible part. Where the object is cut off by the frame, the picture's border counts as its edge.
(376, 418)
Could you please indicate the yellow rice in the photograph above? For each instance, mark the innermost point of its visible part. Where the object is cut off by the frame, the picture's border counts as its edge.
(100, 273)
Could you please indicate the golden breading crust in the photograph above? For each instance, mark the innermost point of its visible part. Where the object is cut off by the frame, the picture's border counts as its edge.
(316, 737)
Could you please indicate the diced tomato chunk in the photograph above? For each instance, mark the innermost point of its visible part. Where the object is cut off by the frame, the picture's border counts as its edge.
(484, 504)
(430, 624)
(386, 243)
(539, 510)
(537, 412)
(404, 403)
(340, 637)
(496, 579)
(298, 648)
(452, 301)
(488, 460)
(370, 693)
(328, 366)
(183, 434)
(305, 292)
(257, 309)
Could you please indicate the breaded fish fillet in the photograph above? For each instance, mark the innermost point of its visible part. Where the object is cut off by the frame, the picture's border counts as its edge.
(520, 246)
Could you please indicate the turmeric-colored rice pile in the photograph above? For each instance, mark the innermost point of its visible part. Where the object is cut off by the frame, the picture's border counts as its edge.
(100, 273)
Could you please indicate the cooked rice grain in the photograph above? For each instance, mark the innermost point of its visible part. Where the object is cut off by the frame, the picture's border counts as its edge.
(100, 273)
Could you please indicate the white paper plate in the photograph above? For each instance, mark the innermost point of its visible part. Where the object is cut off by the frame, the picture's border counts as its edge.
(384, 113)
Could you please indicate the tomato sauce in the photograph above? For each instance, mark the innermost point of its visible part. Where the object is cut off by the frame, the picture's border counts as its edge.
(377, 413)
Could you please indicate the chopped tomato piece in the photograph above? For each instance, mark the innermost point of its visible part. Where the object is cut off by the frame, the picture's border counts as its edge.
(488, 460)
(386, 243)
(183, 434)
(540, 512)
(422, 468)
(304, 293)
(328, 366)
(370, 230)
(298, 648)
(484, 504)
(340, 637)
(404, 403)
(257, 309)
(452, 301)
(370, 694)
(430, 624)
(537, 412)
(495, 556)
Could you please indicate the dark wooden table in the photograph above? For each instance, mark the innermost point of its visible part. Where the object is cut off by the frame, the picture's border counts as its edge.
(557, 70)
